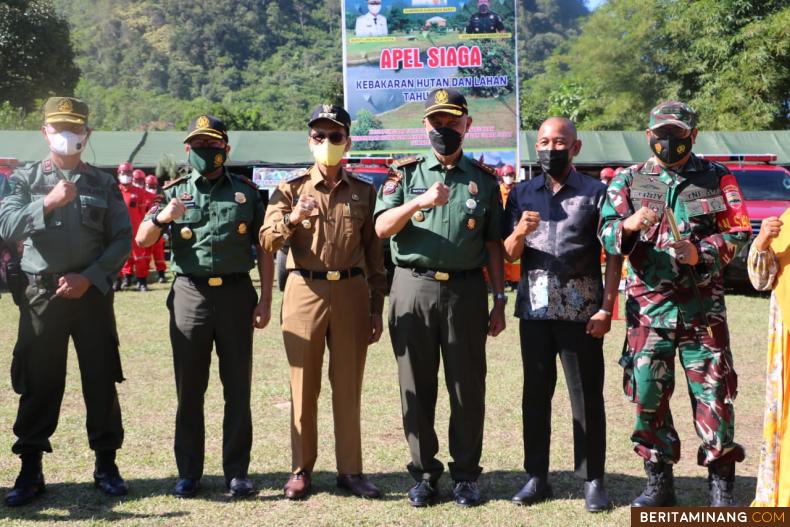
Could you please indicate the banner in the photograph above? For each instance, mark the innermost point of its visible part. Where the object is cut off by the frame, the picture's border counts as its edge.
(395, 52)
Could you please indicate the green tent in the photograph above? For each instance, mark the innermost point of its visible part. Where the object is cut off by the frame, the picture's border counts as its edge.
(107, 149)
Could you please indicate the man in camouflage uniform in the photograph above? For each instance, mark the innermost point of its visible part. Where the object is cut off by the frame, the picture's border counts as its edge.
(666, 311)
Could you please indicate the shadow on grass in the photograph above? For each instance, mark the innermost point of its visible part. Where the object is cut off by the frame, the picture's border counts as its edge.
(70, 502)
(692, 491)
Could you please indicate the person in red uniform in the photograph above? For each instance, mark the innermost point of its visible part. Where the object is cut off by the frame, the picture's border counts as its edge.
(137, 203)
(157, 250)
(124, 176)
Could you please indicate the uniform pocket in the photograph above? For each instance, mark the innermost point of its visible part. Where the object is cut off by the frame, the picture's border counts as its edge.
(94, 209)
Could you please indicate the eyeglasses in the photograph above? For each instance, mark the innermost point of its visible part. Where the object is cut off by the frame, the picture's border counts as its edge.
(666, 132)
(336, 138)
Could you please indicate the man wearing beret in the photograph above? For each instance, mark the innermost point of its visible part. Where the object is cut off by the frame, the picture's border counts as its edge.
(77, 235)
(336, 283)
(443, 213)
(213, 218)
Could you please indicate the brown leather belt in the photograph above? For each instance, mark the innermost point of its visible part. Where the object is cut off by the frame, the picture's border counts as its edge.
(329, 275)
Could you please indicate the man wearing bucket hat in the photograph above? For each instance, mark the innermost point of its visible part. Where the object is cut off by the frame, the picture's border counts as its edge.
(58, 205)
(212, 217)
(443, 213)
(680, 220)
(333, 297)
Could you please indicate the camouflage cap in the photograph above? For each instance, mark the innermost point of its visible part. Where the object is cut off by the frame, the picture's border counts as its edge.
(673, 113)
(65, 110)
(207, 125)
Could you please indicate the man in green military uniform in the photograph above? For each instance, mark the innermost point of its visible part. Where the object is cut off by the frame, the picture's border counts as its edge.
(444, 214)
(680, 220)
(213, 218)
(77, 235)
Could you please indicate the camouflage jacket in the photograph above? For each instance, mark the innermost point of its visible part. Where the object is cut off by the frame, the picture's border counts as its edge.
(708, 205)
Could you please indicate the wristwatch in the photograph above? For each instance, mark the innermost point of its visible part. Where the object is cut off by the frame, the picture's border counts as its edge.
(287, 220)
(158, 223)
(500, 297)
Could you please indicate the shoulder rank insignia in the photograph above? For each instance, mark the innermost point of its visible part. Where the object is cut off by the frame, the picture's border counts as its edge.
(406, 161)
(46, 166)
(361, 177)
(491, 171)
(247, 181)
(174, 182)
(297, 175)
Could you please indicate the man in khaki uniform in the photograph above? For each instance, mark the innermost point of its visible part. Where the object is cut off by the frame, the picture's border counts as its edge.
(336, 284)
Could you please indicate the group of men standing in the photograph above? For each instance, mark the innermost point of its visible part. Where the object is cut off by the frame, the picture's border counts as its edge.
(140, 193)
(678, 218)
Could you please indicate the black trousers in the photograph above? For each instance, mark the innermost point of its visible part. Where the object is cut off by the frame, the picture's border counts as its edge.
(38, 369)
(582, 361)
(200, 316)
(429, 320)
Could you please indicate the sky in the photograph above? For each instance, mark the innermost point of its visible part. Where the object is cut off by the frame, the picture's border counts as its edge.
(593, 4)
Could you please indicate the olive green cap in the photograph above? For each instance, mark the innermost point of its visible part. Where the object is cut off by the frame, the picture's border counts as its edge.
(65, 110)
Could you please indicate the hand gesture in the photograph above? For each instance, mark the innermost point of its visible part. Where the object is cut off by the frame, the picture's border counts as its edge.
(599, 325)
(685, 252)
(303, 208)
(530, 220)
(61, 195)
(641, 220)
(174, 210)
(436, 196)
(769, 229)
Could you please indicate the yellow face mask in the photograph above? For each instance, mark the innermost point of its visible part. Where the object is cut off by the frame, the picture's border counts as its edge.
(328, 154)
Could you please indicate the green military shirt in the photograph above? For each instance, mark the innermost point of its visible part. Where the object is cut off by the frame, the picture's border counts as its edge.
(221, 223)
(91, 235)
(451, 237)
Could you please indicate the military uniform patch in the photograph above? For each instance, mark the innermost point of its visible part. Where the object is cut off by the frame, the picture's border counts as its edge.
(242, 228)
(202, 122)
(240, 198)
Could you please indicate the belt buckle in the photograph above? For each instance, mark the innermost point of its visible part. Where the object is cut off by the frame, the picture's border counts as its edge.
(215, 281)
(441, 276)
(333, 275)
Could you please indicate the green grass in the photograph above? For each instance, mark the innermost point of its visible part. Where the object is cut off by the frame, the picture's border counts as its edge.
(148, 402)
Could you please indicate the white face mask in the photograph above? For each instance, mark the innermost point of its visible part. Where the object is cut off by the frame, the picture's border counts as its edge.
(508, 180)
(374, 9)
(66, 143)
(124, 180)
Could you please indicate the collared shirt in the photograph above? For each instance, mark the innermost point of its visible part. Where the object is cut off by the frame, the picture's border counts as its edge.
(339, 234)
(708, 206)
(369, 25)
(91, 235)
(216, 233)
(561, 262)
(451, 237)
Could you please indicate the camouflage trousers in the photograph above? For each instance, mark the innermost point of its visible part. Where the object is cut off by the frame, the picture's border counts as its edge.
(649, 380)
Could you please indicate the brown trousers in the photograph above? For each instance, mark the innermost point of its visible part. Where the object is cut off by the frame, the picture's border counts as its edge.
(318, 313)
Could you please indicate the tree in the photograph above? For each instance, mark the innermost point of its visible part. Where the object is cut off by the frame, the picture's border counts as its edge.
(36, 58)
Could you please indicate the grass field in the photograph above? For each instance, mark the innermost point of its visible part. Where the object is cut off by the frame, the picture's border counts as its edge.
(148, 402)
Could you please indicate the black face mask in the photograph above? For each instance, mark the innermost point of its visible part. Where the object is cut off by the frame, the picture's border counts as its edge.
(554, 162)
(445, 141)
(670, 150)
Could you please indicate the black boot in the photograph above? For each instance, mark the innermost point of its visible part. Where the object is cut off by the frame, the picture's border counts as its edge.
(721, 478)
(660, 489)
(162, 277)
(116, 286)
(142, 284)
(30, 482)
(127, 281)
(106, 475)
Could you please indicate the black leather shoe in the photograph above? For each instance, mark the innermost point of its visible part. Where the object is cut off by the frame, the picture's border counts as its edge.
(241, 487)
(110, 483)
(423, 494)
(467, 493)
(535, 490)
(25, 490)
(186, 487)
(595, 497)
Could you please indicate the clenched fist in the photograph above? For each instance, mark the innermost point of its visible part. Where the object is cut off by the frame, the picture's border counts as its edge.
(174, 210)
(64, 193)
(530, 220)
(769, 229)
(641, 220)
(436, 196)
(303, 208)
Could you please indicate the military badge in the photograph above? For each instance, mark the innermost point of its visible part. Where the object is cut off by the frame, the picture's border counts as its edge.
(242, 228)
(307, 224)
(185, 196)
(419, 216)
(240, 198)
(658, 148)
(473, 188)
(681, 149)
(186, 233)
(46, 165)
(202, 122)
(65, 106)
(390, 187)
(441, 97)
(471, 223)
(218, 159)
(354, 197)
(471, 204)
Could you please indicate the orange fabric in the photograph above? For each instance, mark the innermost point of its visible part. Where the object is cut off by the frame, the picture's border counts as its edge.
(781, 248)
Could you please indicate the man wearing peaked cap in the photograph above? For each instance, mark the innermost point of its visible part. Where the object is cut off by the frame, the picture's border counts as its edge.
(675, 299)
(212, 218)
(443, 213)
(333, 297)
(58, 204)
